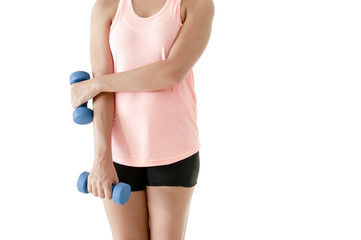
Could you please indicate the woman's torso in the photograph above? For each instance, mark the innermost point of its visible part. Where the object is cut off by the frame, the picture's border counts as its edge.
(158, 127)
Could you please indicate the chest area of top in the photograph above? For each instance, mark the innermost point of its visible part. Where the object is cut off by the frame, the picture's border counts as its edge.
(147, 8)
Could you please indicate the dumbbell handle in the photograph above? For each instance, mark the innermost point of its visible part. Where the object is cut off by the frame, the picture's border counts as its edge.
(84, 105)
(81, 115)
(112, 189)
(83, 183)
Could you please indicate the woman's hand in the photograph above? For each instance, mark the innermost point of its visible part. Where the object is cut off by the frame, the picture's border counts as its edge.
(83, 91)
(101, 178)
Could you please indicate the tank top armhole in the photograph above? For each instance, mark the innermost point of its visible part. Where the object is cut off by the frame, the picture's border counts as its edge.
(116, 15)
(179, 12)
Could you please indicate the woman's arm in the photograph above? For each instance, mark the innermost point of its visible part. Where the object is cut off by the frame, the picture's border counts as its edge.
(102, 64)
(185, 52)
(103, 173)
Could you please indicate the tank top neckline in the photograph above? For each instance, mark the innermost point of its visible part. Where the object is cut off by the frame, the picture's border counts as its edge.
(150, 17)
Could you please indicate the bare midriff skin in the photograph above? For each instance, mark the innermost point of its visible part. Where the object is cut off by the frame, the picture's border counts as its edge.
(166, 208)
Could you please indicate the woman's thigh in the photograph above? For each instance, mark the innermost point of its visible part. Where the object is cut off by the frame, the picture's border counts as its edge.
(169, 193)
(129, 221)
(168, 209)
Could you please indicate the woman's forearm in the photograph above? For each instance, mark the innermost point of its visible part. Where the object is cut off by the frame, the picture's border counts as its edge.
(151, 77)
(103, 105)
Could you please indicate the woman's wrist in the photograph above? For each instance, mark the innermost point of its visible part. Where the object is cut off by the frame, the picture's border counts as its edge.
(102, 156)
(96, 85)
(102, 151)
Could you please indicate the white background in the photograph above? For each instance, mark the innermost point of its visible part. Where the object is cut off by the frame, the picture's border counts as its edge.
(278, 93)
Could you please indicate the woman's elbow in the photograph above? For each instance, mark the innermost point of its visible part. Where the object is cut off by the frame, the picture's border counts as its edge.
(176, 73)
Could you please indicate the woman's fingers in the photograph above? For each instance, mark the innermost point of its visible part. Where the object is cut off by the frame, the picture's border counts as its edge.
(82, 92)
(90, 189)
(77, 94)
(74, 96)
(108, 192)
(100, 190)
(95, 190)
(101, 179)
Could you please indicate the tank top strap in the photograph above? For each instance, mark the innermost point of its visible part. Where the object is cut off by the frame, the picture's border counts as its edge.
(175, 7)
(118, 13)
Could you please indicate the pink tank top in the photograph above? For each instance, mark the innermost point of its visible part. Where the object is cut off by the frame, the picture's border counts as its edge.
(158, 127)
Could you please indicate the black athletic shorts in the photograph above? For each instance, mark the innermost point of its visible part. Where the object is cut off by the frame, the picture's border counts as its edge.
(183, 173)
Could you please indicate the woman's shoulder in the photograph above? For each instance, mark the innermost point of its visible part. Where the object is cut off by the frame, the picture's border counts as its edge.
(106, 8)
(197, 3)
(197, 6)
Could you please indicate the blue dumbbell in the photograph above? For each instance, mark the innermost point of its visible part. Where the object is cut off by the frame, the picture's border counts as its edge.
(120, 192)
(81, 115)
